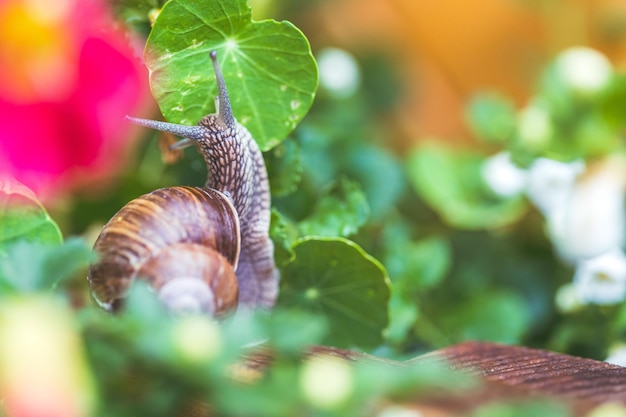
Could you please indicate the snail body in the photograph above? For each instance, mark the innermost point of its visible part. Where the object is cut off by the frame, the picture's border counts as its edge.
(201, 248)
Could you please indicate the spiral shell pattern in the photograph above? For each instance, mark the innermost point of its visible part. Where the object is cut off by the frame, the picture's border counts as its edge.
(168, 234)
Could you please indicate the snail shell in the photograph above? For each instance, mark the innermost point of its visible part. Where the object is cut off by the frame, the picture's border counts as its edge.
(179, 239)
(201, 248)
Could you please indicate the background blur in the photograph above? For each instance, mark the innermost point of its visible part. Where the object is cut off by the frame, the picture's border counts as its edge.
(438, 54)
(474, 147)
(398, 75)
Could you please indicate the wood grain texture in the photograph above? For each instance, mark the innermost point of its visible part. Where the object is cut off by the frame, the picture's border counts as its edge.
(539, 370)
(507, 374)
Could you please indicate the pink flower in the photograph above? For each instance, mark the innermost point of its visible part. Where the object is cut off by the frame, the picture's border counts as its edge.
(67, 78)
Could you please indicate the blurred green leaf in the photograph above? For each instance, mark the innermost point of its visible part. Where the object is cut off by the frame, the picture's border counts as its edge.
(284, 167)
(135, 12)
(22, 217)
(282, 239)
(143, 305)
(419, 375)
(337, 280)
(340, 212)
(526, 408)
(403, 315)
(498, 316)
(237, 399)
(593, 138)
(450, 181)
(491, 117)
(612, 103)
(32, 266)
(380, 174)
(419, 265)
(268, 66)
(414, 267)
(293, 332)
(579, 120)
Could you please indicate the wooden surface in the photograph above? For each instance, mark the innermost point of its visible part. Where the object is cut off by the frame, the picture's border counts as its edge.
(506, 374)
(513, 372)
(541, 371)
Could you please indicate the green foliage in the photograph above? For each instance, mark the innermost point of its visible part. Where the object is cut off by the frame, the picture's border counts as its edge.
(284, 167)
(496, 316)
(419, 264)
(561, 121)
(268, 66)
(450, 181)
(339, 212)
(22, 217)
(522, 409)
(32, 255)
(34, 266)
(283, 238)
(334, 278)
(492, 118)
(415, 267)
(136, 12)
(459, 261)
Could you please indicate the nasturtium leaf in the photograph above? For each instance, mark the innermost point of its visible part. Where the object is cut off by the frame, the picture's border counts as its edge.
(34, 266)
(450, 181)
(268, 66)
(341, 212)
(22, 217)
(336, 279)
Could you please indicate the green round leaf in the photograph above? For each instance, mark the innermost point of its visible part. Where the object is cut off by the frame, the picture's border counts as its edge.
(22, 217)
(268, 66)
(450, 182)
(336, 279)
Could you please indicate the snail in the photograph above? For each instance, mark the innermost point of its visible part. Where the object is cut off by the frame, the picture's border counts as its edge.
(203, 249)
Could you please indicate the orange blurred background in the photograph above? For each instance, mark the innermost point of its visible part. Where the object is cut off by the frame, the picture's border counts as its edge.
(450, 49)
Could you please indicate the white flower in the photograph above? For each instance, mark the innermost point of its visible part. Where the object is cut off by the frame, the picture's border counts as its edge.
(617, 355)
(339, 72)
(591, 219)
(504, 177)
(566, 298)
(602, 280)
(584, 70)
(550, 182)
